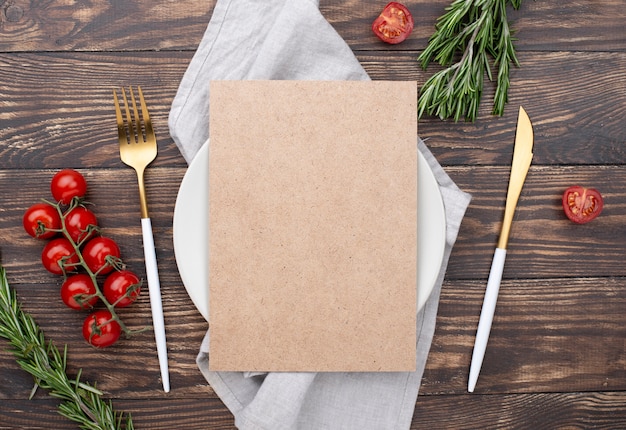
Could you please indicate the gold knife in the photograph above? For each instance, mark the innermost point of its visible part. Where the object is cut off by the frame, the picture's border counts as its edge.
(522, 156)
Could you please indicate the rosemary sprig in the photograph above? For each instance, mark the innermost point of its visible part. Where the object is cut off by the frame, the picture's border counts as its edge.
(478, 31)
(81, 402)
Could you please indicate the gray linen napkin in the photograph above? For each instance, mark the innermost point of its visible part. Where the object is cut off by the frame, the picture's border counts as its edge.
(290, 39)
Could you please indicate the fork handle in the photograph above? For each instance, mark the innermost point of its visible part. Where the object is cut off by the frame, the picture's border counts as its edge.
(154, 287)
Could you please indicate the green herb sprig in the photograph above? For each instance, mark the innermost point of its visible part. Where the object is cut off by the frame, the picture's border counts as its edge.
(81, 402)
(474, 33)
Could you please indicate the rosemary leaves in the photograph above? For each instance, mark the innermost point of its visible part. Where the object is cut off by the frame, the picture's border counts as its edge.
(80, 401)
(470, 39)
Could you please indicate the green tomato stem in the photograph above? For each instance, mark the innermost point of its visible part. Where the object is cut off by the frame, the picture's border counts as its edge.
(114, 262)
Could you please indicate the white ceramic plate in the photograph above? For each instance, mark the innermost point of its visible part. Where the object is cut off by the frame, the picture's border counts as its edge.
(191, 231)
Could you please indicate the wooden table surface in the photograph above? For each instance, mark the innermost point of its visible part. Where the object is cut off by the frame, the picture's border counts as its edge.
(556, 356)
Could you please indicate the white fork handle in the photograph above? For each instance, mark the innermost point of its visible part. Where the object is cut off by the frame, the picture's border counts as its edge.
(486, 316)
(154, 287)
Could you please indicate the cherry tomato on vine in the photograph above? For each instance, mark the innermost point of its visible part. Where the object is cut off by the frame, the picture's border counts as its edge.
(40, 219)
(394, 24)
(77, 222)
(59, 252)
(67, 184)
(100, 330)
(96, 253)
(121, 288)
(581, 204)
(78, 292)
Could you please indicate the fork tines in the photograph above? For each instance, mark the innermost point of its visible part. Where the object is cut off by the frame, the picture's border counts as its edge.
(136, 128)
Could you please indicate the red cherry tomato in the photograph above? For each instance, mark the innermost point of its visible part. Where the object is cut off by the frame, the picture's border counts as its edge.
(40, 219)
(67, 184)
(100, 330)
(77, 222)
(394, 24)
(78, 292)
(97, 253)
(121, 288)
(581, 204)
(58, 256)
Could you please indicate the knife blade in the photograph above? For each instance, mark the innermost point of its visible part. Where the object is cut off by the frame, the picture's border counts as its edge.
(522, 157)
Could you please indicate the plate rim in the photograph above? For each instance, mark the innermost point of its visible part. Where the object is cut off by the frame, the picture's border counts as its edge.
(193, 281)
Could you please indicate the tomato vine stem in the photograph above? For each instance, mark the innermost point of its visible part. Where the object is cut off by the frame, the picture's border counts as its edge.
(111, 261)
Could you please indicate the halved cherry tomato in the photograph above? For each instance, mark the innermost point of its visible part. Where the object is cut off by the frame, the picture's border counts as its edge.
(99, 253)
(77, 222)
(67, 184)
(581, 204)
(100, 330)
(394, 24)
(78, 292)
(40, 219)
(58, 256)
(121, 288)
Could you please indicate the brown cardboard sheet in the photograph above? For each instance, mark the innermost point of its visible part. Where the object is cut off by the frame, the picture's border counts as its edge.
(313, 225)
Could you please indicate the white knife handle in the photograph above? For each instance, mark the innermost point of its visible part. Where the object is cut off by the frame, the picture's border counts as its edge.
(486, 316)
(154, 288)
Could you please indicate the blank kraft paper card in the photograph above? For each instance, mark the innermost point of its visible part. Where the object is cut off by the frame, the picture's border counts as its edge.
(313, 225)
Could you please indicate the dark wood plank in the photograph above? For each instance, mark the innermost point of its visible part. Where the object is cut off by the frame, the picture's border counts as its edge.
(59, 100)
(573, 124)
(549, 410)
(542, 239)
(162, 25)
(63, 104)
(544, 26)
(161, 413)
(548, 335)
(543, 242)
(602, 410)
(102, 25)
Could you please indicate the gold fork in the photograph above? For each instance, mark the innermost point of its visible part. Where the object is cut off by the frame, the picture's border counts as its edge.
(138, 148)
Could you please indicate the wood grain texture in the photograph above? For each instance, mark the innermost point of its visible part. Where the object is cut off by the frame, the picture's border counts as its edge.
(546, 333)
(533, 411)
(538, 26)
(148, 25)
(556, 356)
(541, 238)
(102, 25)
(58, 99)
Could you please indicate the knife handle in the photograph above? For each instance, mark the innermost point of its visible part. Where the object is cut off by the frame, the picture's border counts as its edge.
(486, 316)
(154, 288)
